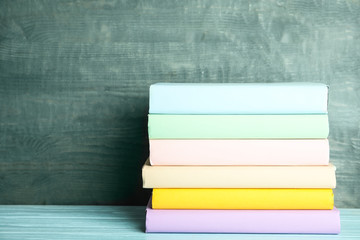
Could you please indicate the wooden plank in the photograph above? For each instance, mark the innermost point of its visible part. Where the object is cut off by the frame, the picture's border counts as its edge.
(74, 78)
(122, 222)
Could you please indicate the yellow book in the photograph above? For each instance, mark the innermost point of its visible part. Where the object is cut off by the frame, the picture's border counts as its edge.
(241, 198)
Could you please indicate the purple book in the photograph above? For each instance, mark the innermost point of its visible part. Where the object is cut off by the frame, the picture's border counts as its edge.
(243, 221)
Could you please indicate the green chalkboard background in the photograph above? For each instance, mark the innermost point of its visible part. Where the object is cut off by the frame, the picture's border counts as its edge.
(74, 79)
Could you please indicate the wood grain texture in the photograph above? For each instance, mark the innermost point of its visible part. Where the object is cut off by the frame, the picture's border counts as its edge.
(74, 78)
(124, 222)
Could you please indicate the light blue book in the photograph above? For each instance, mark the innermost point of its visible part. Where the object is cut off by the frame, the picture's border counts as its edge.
(238, 98)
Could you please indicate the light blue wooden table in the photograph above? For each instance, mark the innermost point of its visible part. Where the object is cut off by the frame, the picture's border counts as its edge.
(122, 222)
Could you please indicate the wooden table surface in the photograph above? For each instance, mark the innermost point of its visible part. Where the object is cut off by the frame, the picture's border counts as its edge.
(122, 222)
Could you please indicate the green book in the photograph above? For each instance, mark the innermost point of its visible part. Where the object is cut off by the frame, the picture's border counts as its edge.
(162, 126)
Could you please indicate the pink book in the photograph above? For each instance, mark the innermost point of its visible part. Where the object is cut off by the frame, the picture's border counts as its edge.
(239, 152)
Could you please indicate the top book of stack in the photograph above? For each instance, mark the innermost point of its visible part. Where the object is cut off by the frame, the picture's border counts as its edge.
(238, 98)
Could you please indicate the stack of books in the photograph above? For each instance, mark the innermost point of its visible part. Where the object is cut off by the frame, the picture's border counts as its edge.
(240, 158)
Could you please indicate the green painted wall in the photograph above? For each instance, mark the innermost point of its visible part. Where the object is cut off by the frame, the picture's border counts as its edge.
(74, 78)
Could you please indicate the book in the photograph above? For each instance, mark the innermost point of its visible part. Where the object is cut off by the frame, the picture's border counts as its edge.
(238, 176)
(237, 126)
(239, 152)
(242, 198)
(242, 221)
(238, 98)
